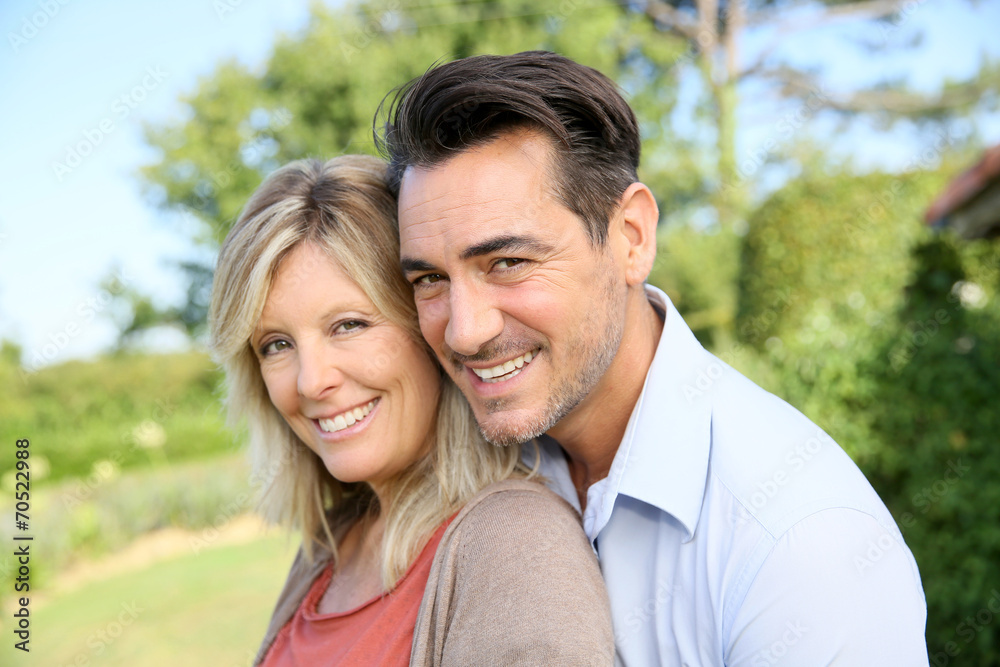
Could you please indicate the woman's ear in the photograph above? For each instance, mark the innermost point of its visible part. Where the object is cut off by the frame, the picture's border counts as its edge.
(635, 230)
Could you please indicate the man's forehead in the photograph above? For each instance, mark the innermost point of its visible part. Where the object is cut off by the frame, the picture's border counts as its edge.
(469, 217)
(463, 226)
(517, 160)
(426, 196)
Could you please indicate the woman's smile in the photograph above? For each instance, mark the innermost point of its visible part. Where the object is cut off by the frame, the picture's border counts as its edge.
(343, 421)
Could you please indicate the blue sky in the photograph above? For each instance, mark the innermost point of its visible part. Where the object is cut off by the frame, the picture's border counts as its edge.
(93, 72)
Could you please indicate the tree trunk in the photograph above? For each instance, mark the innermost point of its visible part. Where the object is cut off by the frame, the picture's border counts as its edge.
(732, 189)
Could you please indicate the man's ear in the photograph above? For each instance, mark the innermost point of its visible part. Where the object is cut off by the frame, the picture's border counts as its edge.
(634, 230)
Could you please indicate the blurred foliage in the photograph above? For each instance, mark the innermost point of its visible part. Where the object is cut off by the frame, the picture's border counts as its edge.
(828, 253)
(699, 270)
(720, 70)
(823, 268)
(932, 411)
(127, 409)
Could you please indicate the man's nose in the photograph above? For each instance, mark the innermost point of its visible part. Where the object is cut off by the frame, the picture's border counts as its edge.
(473, 319)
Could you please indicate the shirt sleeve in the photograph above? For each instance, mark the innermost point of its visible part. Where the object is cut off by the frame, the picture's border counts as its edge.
(518, 584)
(837, 589)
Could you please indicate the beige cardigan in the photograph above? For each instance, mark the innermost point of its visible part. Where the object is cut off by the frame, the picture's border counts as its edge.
(513, 582)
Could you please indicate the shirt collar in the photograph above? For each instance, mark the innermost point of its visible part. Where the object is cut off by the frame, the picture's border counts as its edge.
(663, 458)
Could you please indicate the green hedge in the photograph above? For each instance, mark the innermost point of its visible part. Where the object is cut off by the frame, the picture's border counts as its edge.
(130, 409)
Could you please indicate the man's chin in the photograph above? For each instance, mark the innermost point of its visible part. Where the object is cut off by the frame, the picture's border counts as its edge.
(506, 428)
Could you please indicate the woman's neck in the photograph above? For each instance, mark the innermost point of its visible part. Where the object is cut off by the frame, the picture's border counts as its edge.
(357, 577)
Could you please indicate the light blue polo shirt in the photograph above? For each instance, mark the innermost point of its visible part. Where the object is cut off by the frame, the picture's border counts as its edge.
(731, 530)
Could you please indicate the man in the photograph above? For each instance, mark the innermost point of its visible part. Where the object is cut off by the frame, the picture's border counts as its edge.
(730, 529)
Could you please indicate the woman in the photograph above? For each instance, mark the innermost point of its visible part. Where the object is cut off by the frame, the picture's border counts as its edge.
(422, 544)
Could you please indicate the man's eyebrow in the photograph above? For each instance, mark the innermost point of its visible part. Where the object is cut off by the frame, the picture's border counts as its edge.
(411, 265)
(508, 243)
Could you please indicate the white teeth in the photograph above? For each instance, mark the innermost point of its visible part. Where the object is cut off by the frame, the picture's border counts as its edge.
(506, 370)
(516, 371)
(345, 419)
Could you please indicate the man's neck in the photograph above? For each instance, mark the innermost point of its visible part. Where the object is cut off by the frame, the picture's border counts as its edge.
(592, 432)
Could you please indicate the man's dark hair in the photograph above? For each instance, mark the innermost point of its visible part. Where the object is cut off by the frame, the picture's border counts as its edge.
(472, 101)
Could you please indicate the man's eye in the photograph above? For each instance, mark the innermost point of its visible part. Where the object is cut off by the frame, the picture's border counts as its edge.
(428, 279)
(274, 347)
(507, 262)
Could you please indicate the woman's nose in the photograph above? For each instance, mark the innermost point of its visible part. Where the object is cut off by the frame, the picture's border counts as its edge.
(320, 370)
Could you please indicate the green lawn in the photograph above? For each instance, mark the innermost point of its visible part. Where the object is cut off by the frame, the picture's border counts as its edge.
(209, 608)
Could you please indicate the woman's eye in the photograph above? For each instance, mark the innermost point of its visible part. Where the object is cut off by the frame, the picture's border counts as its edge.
(507, 262)
(351, 325)
(274, 347)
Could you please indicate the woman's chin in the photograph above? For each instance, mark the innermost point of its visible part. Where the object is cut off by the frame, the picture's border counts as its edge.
(355, 472)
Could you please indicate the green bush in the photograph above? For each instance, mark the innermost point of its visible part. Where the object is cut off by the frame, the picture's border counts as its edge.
(830, 252)
(823, 269)
(934, 412)
(129, 409)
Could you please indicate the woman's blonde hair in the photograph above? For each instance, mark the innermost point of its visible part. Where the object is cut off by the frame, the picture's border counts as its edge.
(343, 207)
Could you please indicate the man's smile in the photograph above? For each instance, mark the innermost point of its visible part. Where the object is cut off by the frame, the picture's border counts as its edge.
(506, 370)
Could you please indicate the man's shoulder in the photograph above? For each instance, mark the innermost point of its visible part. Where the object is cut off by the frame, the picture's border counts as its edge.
(778, 466)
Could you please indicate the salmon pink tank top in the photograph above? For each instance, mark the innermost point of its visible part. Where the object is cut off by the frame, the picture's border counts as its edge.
(379, 632)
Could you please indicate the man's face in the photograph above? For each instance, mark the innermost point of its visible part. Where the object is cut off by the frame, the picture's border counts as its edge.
(524, 313)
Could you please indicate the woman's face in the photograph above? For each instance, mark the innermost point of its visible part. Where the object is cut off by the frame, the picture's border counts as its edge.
(353, 386)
